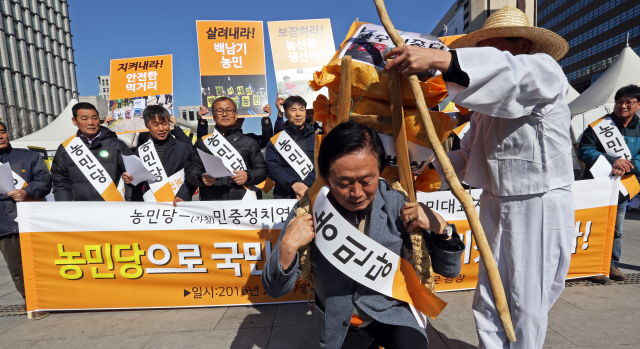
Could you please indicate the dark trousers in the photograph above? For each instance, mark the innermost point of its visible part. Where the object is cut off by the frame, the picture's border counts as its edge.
(377, 335)
(10, 248)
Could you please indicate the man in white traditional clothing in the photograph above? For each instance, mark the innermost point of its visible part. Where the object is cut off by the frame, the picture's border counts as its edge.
(518, 150)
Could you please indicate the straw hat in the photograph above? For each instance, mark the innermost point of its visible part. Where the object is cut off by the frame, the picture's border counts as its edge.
(510, 22)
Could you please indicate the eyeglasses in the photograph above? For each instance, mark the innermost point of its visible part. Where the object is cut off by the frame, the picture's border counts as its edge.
(627, 103)
(224, 111)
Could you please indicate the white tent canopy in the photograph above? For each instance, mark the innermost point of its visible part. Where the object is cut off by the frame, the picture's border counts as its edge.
(572, 95)
(59, 130)
(598, 99)
(51, 136)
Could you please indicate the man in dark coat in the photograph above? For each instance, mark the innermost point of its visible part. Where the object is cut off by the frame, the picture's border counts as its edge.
(265, 123)
(33, 181)
(289, 183)
(69, 182)
(171, 153)
(232, 187)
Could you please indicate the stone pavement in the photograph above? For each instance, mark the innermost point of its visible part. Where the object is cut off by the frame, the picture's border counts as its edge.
(584, 317)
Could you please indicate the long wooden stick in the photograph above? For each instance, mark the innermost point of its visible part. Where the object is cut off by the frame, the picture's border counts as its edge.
(457, 189)
(344, 92)
(400, 135)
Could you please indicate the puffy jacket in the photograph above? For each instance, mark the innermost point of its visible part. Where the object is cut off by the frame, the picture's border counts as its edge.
(31, 167)
(70, 184)
(279, 169)
(590, 147)
(267, 133)
(179, 134)
(225, 188)
(176, 154)
(203, 128)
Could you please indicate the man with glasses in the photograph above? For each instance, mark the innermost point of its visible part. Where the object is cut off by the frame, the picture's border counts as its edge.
(625, 158)
(240, 155)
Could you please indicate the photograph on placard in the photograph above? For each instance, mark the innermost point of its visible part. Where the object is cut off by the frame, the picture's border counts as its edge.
(136, 83)
(294, 82)
(370, 43)
(249, 92)
(127, 112)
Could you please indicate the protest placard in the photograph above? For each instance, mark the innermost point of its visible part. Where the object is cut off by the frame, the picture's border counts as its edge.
(136, 83)
(232, 65)
(299, 48)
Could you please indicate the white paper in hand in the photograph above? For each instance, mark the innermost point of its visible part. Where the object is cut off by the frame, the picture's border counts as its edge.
(6, 179)
(213, 165)
(601, 168)
(135, 168)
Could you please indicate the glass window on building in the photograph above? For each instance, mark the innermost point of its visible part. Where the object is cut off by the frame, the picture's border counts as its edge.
(15, 9)
(191, 115)
(3, 73)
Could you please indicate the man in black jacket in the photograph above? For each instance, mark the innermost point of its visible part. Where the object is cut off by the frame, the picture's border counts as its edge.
(262, 139)
(172, 155)
(292, 183)
(245, 156)
(92, 168)
(33, 181)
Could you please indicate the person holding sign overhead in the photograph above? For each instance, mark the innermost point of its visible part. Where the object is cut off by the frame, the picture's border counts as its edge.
(165, 157)
(290, 153)
(616, 137)
(89, 166)
(361, 228)
(240, 155)
(32, 180)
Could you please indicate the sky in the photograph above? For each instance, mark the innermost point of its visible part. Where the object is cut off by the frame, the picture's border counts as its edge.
(105, 30)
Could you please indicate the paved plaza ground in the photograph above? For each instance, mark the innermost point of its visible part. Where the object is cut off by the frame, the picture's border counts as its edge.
(586, 316)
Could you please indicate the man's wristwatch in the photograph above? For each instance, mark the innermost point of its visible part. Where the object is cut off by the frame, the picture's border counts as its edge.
(447, 232)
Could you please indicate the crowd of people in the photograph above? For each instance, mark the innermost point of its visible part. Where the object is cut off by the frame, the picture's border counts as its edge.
(517, 149)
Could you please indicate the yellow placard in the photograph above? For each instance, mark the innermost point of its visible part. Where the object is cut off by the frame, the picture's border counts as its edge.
(301, 44)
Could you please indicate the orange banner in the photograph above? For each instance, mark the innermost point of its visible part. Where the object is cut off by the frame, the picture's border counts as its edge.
(202, 254)
(232, 64)
(595, 215)
(152, 255)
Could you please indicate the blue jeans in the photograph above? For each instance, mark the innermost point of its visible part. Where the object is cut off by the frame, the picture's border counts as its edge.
(617, 235)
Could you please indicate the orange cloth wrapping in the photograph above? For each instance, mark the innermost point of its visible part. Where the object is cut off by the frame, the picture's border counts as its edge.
(366, 77)
(428, 181)
(325, 111)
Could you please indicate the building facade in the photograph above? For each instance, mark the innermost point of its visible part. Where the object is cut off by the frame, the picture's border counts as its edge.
(103, 81)
(101, 104)
(37, 68)
(596, 31)
(189, 113)
(466, 16)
